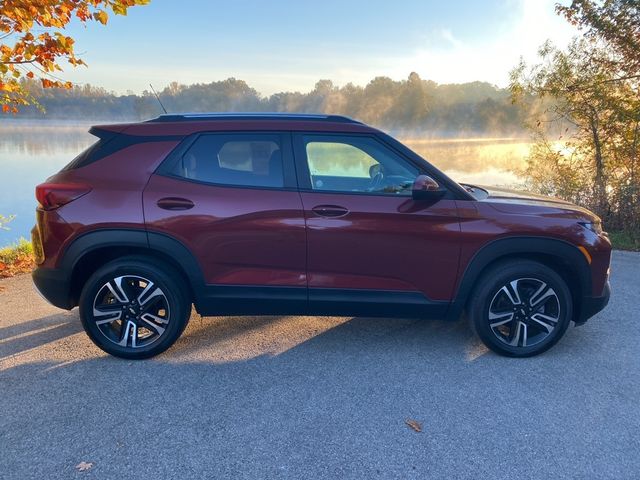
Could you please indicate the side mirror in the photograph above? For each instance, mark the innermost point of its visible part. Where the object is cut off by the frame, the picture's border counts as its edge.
(426, 188)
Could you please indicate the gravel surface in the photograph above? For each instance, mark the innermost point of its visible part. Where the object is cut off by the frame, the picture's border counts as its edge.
(312, 397)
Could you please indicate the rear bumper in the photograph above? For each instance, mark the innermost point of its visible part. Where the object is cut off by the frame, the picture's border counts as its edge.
(54, 285)
(592, 305)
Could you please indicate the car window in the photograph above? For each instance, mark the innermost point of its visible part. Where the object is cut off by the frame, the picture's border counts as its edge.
(234, 159)
(356, 164)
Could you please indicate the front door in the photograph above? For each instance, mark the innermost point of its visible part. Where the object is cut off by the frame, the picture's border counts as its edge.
(372, 249)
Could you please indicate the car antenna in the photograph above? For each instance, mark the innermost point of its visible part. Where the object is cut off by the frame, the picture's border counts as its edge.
(158, 98)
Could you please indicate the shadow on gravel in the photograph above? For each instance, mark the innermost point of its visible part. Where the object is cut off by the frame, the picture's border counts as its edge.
(25, 336)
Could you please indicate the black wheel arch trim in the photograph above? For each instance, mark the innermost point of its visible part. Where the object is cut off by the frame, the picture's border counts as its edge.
(153, 242)
(524, 245)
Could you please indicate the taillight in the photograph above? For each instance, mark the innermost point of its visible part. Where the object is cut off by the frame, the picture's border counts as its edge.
(53, 195)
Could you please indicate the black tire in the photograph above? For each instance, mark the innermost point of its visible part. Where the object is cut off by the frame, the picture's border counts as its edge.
(525, 333)
(148, 322)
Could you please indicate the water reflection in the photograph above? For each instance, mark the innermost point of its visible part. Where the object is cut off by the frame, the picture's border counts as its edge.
(32, 151)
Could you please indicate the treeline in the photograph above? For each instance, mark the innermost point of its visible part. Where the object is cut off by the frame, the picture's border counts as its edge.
(411, 105)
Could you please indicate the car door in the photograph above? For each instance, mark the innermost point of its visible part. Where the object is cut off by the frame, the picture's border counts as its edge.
(232, 200)
(372, 248)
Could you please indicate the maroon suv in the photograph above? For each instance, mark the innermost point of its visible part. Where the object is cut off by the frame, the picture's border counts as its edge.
(249, 214)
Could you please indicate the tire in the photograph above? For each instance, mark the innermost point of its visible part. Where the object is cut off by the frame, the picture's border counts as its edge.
(133, 308)
(520, 308)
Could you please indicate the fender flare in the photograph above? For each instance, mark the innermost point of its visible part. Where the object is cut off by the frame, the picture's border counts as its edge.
(567, 254)
(153, 242)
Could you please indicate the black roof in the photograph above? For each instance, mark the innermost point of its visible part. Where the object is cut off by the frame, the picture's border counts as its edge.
(183, 117)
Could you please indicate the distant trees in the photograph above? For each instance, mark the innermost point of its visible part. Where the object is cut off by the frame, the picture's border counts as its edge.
(413, 106)
(584, 105)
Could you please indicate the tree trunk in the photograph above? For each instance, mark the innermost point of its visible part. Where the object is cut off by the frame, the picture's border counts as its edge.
(600, 183)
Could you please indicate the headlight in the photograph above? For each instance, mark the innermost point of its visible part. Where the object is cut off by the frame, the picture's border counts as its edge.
(595, 227)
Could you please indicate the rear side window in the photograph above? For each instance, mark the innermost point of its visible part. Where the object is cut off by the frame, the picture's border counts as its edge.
(233, 159)
(91, 153)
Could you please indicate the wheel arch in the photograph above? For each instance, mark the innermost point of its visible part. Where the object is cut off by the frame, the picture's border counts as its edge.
(561, 256)
(94, 249)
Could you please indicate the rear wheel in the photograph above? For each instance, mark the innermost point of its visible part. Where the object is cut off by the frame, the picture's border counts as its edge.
(520, 309)
(134, 309)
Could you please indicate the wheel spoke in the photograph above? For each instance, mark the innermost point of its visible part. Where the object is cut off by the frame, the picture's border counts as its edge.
(149, 292)
(542, 293)
(546, 321)
(153, 321)
(129, 331)
(521, 332)
(501, 318)
(115, 286)
(107, 313)
(512, 293)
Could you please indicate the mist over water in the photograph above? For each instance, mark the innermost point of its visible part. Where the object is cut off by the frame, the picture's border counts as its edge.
(31, 151)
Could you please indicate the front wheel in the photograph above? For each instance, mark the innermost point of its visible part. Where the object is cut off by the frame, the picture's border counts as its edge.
(520, 308)
(134, 309)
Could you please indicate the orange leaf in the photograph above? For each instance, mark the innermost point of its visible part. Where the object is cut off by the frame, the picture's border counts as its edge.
(6, 108)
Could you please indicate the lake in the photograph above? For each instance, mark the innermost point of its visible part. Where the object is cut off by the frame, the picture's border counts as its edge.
(31, 151)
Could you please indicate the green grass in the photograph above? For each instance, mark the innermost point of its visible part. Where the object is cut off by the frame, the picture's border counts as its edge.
(623, 240)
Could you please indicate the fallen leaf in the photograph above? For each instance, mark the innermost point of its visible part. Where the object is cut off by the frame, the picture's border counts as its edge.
(414, 424)
(84, 466)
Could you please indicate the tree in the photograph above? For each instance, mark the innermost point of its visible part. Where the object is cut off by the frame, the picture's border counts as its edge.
(34, 45)
(617, 22)
(585, 105)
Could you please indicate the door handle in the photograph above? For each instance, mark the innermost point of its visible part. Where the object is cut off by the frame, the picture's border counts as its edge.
(175, 203)
(332, 211)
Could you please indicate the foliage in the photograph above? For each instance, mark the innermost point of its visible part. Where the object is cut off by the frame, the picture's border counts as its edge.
(617, 22)
(3, 221)
(34, 45)
(412, 105)
(584, 105)
(625, 240)
(17, 258)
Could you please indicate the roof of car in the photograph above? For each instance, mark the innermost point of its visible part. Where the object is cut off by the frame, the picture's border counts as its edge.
(184, 117)
(181, 124)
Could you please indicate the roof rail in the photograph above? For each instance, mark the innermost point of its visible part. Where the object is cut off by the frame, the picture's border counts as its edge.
(183, 117)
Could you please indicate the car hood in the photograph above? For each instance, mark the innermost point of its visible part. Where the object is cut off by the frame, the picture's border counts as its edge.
(514, 201)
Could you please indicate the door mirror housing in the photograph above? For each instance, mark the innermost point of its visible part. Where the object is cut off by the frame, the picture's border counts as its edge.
(426, 188)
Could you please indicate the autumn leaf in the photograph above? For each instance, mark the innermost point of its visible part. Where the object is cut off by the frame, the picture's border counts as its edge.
(47, 48)
(414, 425)
(84, 466)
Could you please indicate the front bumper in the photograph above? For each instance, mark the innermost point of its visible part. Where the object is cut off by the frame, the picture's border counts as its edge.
(592, 305)
(55, 286)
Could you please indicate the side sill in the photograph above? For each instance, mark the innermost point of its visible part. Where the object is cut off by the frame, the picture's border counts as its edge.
(272, 300)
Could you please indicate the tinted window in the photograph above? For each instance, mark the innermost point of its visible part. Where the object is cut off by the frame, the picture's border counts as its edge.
(234, 159)
(357, 164)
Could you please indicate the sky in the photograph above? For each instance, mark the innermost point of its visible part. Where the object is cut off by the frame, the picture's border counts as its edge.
(287, 45)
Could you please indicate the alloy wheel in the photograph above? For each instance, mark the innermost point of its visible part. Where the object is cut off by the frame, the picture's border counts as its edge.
(524, 312)
(131, 311)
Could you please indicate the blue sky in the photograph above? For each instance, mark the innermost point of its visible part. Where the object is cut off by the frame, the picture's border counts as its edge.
(279, 45)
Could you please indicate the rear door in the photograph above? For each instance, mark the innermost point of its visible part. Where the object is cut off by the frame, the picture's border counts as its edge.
(372, 249)
(232, 200)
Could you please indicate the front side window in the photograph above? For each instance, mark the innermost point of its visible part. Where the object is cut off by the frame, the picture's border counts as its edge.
(356, 164)
(253, 160)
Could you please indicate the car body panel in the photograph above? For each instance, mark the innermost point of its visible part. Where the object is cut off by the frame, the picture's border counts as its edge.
(240, 236)
(358, 250)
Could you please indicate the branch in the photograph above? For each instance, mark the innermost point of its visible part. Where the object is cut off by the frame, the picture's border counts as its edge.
(19, 63)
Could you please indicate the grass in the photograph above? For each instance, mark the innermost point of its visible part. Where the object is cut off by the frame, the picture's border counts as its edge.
(624, 240)
(16, 258)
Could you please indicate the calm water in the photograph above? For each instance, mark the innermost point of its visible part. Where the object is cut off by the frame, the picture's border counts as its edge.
(32, 151)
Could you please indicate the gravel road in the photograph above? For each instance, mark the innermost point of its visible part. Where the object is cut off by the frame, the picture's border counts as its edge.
(312, 397)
